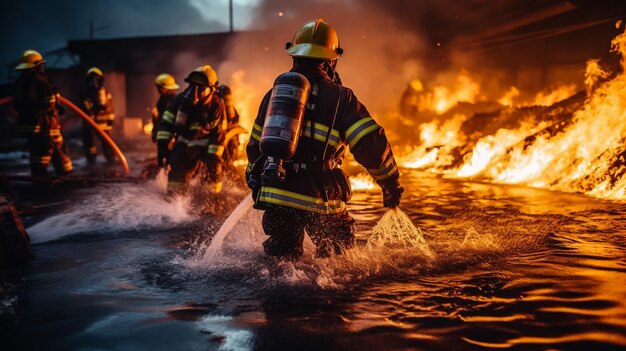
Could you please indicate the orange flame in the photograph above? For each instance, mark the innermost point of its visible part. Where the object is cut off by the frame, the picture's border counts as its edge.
(442, 98)
(362, 181)
(507, 99)
(584, 153)
(560, 93)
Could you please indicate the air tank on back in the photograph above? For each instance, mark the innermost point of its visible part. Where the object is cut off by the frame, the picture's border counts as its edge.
(283, 120)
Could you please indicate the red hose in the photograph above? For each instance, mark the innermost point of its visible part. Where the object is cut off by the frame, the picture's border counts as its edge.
(93, 125)
(5, 100)
(100, 132)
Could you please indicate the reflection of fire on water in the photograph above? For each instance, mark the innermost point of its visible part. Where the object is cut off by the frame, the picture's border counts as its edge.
(576, 145)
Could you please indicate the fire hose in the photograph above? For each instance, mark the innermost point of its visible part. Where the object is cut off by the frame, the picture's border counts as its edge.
(234, 131)
(93, 125)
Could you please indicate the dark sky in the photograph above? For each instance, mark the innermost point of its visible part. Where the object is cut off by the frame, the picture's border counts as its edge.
(47, 25)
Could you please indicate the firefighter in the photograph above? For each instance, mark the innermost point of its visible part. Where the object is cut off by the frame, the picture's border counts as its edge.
(409, 102)
(166, 87)
(232, 118)
(313, 193)
(196, 120)
(37, 104)
(97, 103)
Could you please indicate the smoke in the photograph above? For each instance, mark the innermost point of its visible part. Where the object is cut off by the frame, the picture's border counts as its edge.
(379, 55)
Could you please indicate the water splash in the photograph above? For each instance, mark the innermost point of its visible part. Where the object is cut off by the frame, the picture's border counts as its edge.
(393, 247)
(393, 244)
(215, 248)
(116, 207)
(160, 181)
(396, 229)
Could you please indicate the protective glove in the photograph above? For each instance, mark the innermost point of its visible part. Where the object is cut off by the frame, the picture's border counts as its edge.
(392, 193)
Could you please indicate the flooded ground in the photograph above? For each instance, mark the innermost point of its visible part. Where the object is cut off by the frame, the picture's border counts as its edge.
(509, 267)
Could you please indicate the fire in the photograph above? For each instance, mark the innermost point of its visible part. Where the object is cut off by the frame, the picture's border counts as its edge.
(244, 98)
(507, 99)
(560, 93)
(489, 148)
(593, 74)
(147, 128)
(362, 181)
(442, 98)
(435, 136)
(577, 146)
(420, 158)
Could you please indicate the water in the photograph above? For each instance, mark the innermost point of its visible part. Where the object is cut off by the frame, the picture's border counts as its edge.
(214, 249)
(477, 266)
(117, 207)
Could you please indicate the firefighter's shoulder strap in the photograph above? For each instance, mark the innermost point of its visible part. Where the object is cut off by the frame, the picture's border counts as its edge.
(332, 124)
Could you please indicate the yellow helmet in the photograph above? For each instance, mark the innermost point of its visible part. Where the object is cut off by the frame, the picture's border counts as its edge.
(315, 39)
(203, 75)
(96, 71)
(166, 81)
(30, 59)
(416, 85)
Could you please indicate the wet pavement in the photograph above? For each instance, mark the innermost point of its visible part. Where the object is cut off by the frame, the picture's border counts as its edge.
(124, 268)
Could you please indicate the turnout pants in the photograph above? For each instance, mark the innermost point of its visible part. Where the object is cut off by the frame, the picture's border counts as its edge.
(46, 149)
(89, 145)
(285, 226)
(188, 162)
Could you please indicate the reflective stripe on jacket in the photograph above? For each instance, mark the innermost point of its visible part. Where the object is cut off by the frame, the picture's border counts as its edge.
(205, 125)
(353, 127)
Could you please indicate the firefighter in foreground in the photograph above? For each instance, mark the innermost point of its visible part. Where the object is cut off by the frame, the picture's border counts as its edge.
(37, 104)
(196, 120)
(297, 144)
(166, 87)
(97, 103)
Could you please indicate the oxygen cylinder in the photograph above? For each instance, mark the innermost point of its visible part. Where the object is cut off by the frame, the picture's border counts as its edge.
(283, 121)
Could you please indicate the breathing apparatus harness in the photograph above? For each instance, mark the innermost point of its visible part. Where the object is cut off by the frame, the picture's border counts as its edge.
(325, 173)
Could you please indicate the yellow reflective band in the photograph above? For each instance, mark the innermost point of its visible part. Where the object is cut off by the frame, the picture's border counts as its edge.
(168, 117)
(105, 117)
(321, 138)
(360, 129)
(323, 128)
(215, 150)
(320, 132)
(67, 166)
(198, 142)
(257, 130)
(164, 135)
(386, 170)
(104, 126)
(303, 202)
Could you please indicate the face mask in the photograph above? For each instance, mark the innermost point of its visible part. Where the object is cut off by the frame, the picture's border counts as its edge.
(196, 93)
